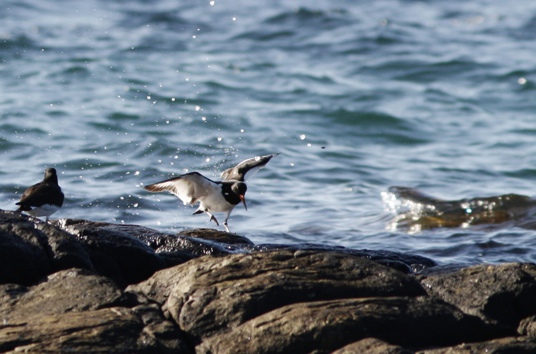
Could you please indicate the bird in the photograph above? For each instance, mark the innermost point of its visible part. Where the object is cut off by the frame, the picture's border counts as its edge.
(213, 196)
(43, 198)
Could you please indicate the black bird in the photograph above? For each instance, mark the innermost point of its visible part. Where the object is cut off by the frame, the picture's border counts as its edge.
(43, 198)
(213, 196)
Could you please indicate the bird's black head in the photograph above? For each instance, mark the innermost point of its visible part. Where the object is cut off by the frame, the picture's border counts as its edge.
(50, 175)
(240, 189)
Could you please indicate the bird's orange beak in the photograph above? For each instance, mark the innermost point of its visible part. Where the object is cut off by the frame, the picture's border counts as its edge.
(243, 199)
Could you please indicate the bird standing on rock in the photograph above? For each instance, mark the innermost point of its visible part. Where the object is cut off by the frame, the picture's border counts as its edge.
(43, 198)
(213, 196)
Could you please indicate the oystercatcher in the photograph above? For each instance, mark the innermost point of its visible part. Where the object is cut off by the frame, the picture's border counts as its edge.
(213, 196)
(43, 198)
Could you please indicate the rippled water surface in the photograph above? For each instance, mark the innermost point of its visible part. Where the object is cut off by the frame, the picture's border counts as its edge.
(357, 96)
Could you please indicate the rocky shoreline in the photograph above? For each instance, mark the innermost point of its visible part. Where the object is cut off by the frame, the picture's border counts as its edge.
(82, 286)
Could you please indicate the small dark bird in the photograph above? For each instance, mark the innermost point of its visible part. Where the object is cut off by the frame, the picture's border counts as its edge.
(213, 196)
(43, 198)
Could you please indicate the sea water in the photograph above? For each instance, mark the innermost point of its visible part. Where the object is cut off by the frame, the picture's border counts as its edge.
(357, 96)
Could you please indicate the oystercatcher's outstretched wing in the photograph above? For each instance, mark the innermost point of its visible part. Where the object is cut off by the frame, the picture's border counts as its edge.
(190, 187)
(246, 168)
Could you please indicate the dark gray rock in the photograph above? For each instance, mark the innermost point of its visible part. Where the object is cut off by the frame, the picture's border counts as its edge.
(508, 345)
(502, 294)
(404, 262)
(23, 255)
(65, 251)
(328, 325)
(210, 295)
(527, 327)
(217, 236)
(61, 289)
(114, 248)
(65, 291)
(112, 329)
(30, 249)
(372, 346)
(77, 311)
(115, 251)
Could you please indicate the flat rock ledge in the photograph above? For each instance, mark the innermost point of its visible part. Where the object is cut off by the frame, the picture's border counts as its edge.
(85, 287)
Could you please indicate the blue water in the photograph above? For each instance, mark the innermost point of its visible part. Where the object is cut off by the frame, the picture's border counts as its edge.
(357, 96)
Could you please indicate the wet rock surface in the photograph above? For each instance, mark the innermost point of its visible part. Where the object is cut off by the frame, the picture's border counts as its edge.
(75, 310)
(82, 286)
(503, 293)
(211, 295)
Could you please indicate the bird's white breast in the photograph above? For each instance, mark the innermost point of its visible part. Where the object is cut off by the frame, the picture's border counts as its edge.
(44, 210)
(215, 202)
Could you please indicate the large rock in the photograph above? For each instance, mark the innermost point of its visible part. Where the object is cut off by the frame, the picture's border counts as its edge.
(65, 291)
(502, 294)
(115, 253)
(211, 295)
(131, 253)
(513, 345)
(31, 249)
(372, 346)
(325, 326)
(62, 290)
(76, 311)
(404, 262)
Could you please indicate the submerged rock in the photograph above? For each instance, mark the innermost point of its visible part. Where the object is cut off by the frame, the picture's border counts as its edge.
(417, 211)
